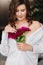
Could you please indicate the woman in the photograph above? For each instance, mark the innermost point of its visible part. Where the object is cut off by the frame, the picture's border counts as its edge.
(22, 53)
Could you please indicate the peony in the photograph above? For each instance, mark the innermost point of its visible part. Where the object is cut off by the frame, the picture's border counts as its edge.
(19, 34)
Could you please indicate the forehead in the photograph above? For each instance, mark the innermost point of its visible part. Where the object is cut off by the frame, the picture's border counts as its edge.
(22, 6)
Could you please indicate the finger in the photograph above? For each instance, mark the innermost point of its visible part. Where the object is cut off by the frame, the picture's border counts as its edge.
(19, 46)
(13, 31)
(20, 42)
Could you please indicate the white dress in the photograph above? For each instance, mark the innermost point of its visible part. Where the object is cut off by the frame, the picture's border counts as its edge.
(8, 47)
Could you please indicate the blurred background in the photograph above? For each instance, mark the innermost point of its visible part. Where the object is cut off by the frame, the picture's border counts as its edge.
(37, 14)
(4, 5)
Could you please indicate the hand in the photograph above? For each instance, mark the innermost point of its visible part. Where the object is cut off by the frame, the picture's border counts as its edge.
(8, 28)
(24, 46)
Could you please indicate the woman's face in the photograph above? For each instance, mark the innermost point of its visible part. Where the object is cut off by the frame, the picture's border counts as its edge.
(21, 12)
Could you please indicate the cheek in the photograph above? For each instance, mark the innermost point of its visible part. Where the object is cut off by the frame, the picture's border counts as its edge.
(24, 14)
(16, 14)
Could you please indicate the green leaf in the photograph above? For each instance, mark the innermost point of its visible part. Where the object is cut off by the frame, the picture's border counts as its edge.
(18, 39)
(22, 39)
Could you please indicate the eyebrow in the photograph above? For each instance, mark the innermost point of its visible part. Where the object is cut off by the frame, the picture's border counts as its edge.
(21, 9)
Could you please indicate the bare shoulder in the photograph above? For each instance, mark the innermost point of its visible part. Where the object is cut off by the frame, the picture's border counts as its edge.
(9, 28)
(8, 25)
(35, 25)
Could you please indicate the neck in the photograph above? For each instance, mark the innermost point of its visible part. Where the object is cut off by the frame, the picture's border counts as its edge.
(23, 21)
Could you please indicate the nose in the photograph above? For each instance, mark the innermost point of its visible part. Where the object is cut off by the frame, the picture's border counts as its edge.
(19, 13)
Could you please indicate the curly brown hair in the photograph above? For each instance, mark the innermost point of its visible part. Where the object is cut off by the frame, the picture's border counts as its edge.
(12, 9)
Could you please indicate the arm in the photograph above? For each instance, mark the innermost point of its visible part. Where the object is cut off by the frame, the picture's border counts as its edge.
(4, 47)
(35, 48)
(38, 48)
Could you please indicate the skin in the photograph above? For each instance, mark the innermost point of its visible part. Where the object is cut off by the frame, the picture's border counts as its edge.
(22, 21)
(21, 12)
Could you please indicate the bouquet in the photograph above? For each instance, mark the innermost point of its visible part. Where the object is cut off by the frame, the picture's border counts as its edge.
(19, 34)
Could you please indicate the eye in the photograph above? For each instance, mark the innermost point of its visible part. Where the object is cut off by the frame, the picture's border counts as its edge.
(23, 10)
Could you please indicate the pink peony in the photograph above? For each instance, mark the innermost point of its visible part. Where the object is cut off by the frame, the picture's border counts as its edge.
(19, 32)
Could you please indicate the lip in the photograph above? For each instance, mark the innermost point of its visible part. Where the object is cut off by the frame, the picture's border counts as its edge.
(20, 16)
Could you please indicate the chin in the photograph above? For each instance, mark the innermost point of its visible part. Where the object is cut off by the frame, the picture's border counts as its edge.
(20, 19)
